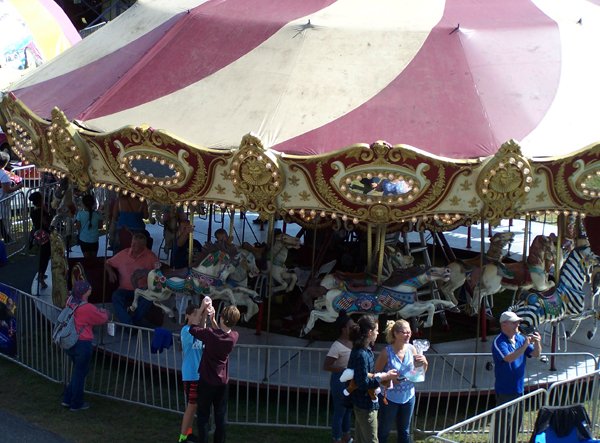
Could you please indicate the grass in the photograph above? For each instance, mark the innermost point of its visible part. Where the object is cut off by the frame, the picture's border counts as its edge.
(37, 400)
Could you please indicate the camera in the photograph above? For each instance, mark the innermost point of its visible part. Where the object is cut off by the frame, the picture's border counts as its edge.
(527, 329)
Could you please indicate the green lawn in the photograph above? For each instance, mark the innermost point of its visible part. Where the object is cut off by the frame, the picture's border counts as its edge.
(37, 400)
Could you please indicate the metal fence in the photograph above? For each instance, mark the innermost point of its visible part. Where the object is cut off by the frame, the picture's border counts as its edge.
(498, 424)
(286, 386)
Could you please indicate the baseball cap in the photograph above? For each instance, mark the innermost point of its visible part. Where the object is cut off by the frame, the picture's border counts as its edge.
(509, 316)
(80, 287)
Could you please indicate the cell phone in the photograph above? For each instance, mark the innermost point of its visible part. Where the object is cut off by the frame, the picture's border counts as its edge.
(401, 378)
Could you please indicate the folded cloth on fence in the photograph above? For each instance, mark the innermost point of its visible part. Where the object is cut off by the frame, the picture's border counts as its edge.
(163, 339)
(563, 424)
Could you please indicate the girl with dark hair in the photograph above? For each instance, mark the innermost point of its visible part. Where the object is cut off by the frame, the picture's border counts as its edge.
(40, 219)
(335, 362)
(88, 223)
(363, 335)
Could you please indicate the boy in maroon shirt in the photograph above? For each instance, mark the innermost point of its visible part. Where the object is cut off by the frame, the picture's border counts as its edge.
(219, 341)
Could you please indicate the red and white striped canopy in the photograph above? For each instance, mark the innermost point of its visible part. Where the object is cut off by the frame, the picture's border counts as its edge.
(455, 78)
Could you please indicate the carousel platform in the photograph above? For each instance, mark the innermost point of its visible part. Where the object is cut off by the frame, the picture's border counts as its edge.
(455, 366)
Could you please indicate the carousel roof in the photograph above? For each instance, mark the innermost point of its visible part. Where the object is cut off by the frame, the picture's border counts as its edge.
(316, 82)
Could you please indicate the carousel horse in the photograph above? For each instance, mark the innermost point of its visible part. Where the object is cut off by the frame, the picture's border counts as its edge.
(397, 295)
(495, 277)
(58, 267)
(393, 258)
(247, 268)
(568, 299)
(282, 276)
(460, 269)
(208, 278)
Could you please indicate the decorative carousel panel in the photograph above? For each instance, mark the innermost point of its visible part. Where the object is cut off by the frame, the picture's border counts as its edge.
(256, 174)
(504, 182)
(68, 149)
(380, 183)
(576, 180)
(152, 164)
(25, 132)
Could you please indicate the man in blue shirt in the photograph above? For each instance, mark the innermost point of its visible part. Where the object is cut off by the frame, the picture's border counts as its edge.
(509, 350)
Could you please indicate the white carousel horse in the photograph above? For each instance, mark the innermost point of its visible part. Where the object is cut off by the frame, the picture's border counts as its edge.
(208, 278)
(568, 299)
(247, 268)
(393, 258)
(460, 269)
(397, 295)
(285, 278)
(496, 276)
(204, 279)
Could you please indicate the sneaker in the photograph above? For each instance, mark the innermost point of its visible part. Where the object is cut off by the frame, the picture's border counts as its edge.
(64, 404)
(83, 407)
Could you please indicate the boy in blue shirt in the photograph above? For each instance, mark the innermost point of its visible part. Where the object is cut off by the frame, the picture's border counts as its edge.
(192, 354)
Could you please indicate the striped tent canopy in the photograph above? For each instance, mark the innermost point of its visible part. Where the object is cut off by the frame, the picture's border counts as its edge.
(316, 84)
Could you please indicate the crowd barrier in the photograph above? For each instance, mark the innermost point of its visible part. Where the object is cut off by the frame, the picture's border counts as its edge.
(286, 386)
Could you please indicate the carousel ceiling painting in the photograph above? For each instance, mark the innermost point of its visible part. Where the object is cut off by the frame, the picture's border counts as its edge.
(366, 112)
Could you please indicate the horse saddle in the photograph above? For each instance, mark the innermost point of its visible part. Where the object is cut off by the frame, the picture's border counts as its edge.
(550, 300)
(517, 275)
(357, 281)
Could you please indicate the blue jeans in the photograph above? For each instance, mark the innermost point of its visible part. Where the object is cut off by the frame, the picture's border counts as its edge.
(81, 355)
(340, 422)
(401, 414)
(122, 299)
(215, 395)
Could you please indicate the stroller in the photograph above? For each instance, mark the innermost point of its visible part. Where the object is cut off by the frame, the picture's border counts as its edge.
(570, 424)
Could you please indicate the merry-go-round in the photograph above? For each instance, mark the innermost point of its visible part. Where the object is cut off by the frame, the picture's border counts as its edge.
(282, 109)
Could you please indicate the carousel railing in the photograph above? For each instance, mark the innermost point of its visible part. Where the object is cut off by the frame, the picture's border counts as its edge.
(282, 385)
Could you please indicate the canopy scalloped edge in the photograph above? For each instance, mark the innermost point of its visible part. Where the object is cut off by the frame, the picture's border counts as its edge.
(342, 186)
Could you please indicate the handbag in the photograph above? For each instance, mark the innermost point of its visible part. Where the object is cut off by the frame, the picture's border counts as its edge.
(41, 237)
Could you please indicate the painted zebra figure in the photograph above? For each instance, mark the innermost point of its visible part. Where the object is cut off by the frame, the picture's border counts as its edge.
(568, 299)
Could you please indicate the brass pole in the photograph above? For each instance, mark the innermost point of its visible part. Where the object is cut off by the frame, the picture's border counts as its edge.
(190, 240)
(526, 236)
(369, 247)
(270, 241)
(381, 245)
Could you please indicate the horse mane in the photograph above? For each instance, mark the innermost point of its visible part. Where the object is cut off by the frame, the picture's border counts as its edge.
(399, 276)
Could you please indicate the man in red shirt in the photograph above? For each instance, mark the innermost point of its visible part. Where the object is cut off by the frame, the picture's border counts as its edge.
(214, 370)
(125, 266)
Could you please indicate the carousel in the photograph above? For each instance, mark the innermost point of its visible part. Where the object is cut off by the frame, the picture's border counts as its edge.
(341, 116)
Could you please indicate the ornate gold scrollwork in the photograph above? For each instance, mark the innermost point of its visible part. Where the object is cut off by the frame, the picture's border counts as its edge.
(504, 182)
(22, 132)
(256, 174)
(69, 148)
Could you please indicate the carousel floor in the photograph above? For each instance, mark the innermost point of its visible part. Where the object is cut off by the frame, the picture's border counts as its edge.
(475, 374)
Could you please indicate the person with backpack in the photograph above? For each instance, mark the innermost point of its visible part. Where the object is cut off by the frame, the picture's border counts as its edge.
(86, 316)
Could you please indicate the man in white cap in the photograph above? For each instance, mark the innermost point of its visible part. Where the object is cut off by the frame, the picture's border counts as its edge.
(509, 350)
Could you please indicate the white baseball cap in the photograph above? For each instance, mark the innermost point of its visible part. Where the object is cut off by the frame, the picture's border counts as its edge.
(509, 316)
